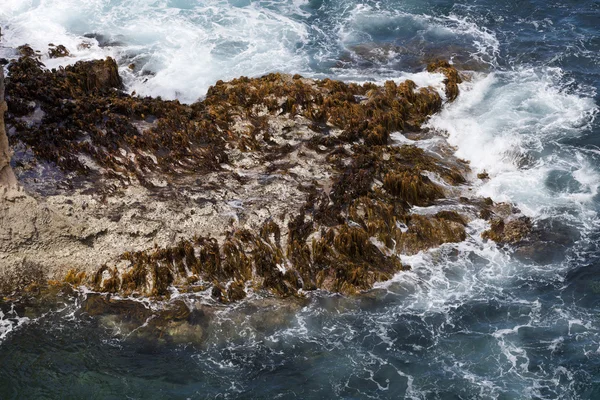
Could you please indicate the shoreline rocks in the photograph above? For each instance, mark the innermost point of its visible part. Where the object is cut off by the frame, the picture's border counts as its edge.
(278, 184)
(7, 177)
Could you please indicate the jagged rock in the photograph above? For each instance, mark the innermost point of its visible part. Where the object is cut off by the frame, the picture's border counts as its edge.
(58, 51)
(453, 78)
(511, 231)
(97, 75)
(26, 51)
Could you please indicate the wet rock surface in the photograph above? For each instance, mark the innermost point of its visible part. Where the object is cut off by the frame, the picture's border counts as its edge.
(278, 184)
(7, 177)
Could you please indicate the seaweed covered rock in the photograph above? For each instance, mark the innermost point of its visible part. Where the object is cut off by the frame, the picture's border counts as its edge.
(97, 75)
(277, 184)
(511, 231)
(453, 78)
(57, 51)
(541, 242)
(87, 128)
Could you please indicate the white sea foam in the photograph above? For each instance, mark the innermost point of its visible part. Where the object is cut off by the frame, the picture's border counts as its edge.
(10, 322)
(179, 48)
(510, 124)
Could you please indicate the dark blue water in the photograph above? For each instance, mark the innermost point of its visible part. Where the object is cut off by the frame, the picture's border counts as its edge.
(468, 322)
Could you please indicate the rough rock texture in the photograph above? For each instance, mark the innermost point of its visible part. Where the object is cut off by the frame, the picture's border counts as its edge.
(278, 184)
(7, 177)
(512, 231)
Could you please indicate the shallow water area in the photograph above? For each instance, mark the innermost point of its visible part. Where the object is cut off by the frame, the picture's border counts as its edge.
(469, 320)
(433, 333)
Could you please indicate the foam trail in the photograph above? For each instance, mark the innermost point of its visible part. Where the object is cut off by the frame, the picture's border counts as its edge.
(510, 124)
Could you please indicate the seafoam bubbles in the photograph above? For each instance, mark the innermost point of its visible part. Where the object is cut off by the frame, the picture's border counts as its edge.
(57, 22)
(177, 48)
(217, 40)
(10, 321)
(511, 125)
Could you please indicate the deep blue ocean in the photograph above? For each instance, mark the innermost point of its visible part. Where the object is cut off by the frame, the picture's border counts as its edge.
(469, 321)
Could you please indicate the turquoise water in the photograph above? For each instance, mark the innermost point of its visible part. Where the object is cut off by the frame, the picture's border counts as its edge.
(469, 321)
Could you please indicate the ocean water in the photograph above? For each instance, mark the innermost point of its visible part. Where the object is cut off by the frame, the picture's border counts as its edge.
(469, 321)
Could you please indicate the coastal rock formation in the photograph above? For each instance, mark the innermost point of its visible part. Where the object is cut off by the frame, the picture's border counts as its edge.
(508, 232)
(7, 177)
(279, 184)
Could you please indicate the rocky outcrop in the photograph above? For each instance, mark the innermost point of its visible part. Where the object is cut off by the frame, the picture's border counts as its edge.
(453, 78)
(279, 184)
(7, 177)
(512, 231)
